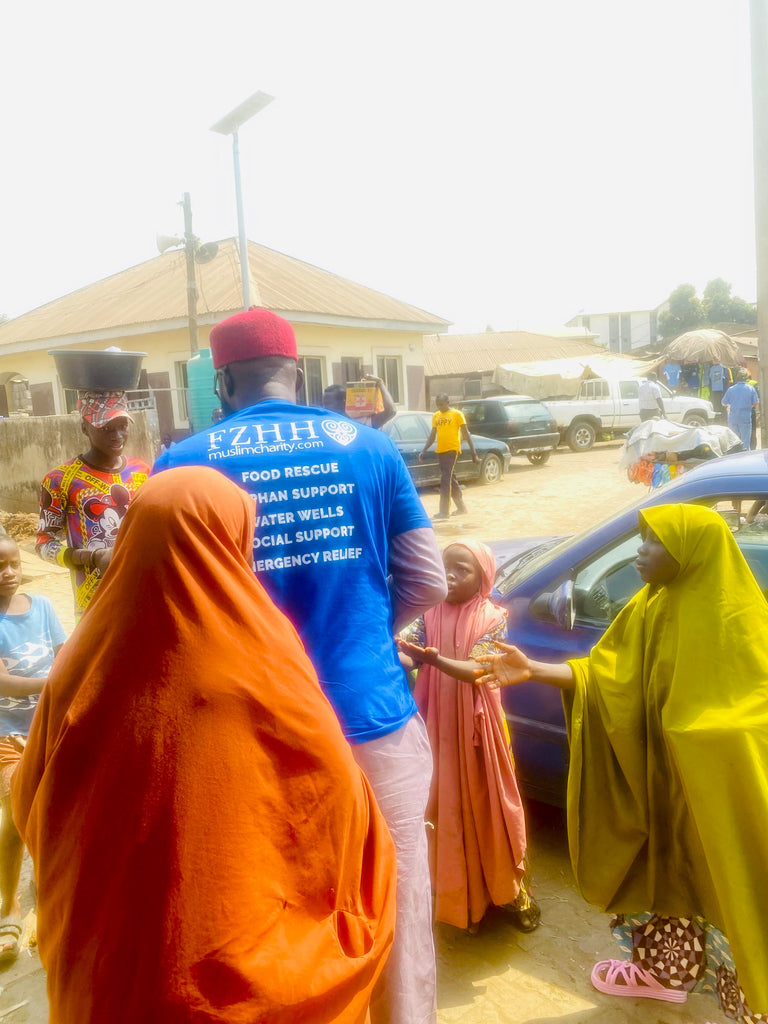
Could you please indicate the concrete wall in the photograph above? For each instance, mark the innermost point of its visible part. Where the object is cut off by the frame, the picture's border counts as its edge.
(32, 445)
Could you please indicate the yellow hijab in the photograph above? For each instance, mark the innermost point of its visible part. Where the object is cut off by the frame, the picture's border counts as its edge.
(668, 727)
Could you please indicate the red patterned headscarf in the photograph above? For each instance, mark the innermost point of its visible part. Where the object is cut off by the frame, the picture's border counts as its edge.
(99, 407)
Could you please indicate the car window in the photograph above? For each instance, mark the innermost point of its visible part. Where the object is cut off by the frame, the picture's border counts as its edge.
(629, 388)
(746, 515)
(604, 585)
(748, 520)
(477, 412)
(409, 428)
(592, 389)
(524, 412)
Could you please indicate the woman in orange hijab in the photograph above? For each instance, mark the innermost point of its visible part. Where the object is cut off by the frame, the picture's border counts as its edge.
(206, 848)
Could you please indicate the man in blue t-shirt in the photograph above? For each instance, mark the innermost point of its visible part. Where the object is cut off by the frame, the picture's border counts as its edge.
(740, 400)
(344, 547)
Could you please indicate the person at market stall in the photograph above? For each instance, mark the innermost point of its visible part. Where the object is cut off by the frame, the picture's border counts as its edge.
(478, 856)
(668, 780)
(740, 399)
(83, 501)
(649, 398)
(206, 849)
(449, 428)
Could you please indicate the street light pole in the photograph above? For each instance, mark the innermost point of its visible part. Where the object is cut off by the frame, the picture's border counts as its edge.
(229, 125)
(245, 273)
(190, 247)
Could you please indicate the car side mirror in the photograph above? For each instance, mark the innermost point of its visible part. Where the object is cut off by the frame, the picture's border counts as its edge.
(556, 606)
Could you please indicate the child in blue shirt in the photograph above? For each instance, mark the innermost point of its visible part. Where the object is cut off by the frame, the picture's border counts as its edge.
(30, 637)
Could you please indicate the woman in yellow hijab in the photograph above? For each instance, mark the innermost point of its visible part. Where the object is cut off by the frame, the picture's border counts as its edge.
(668, 782)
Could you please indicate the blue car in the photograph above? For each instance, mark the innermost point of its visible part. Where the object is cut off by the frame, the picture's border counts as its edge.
(562, 593)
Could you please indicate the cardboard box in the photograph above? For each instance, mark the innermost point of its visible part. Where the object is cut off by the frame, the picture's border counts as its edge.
(363, 398)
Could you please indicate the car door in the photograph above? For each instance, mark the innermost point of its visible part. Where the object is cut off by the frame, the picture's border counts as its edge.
(628, 414)
(410, 431)
(597, 395)
(673, 407)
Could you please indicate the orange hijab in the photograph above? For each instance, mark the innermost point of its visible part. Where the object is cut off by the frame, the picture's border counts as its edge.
(206, 848)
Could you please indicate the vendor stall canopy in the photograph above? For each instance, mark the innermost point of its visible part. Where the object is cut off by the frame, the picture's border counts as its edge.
(561, 378)
(705, 345)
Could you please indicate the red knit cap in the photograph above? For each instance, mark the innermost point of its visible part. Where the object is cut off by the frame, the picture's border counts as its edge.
(252, 335)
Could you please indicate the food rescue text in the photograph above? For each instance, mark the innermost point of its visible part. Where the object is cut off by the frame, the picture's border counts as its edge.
(296, 524)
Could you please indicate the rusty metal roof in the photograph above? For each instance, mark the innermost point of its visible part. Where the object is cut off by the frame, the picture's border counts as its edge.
(451, 355)
(153, 294)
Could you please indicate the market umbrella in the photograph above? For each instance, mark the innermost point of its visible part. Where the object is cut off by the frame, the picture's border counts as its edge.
(703, 346)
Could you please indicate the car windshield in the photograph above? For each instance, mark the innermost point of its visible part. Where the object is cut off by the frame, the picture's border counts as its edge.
(408, 427)
(524, 412)
(751, 531)
(544, 554)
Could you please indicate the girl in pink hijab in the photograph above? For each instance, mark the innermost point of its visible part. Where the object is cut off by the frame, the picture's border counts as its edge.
(478, 851)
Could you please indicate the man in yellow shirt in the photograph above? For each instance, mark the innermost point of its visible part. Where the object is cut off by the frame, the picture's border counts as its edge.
(449, 427)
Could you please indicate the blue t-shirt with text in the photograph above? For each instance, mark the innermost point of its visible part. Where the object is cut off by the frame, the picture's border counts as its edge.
(27, 643)
(330, 495)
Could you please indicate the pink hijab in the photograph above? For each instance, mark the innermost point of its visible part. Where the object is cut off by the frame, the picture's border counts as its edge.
(455, 628)
(478, 851)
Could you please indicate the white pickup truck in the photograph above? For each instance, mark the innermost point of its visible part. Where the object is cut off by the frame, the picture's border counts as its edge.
(611, 406)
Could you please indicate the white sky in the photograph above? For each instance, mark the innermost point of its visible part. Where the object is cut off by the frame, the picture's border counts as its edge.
(502, 162)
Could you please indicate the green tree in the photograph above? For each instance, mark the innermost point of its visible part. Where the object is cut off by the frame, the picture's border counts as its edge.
(717, 306)
(717, 301)
(720, 307)
(743, 312)
(684, 313)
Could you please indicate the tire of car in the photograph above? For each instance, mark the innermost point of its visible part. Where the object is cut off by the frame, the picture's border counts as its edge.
(539, 458)
(581, 436)
(695, 419)
(491, 469)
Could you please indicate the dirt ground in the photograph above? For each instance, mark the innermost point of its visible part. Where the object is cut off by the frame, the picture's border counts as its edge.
(499, 976)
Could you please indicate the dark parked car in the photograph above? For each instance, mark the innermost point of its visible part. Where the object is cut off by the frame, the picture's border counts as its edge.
(526, 425)
(410, 430)
(561, 595)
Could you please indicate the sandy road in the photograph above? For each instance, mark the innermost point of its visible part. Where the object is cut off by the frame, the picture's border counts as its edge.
(568, 494)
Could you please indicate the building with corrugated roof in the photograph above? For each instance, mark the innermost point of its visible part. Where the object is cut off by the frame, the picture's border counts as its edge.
(463, 365)
(343, 329)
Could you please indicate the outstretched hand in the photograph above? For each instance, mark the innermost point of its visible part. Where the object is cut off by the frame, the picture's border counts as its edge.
(419, 654)
(505, 669)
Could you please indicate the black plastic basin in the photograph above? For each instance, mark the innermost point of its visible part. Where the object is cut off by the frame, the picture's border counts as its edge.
(98, 371)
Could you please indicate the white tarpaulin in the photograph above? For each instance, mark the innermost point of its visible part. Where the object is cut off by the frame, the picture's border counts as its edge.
(664, 436)
(561, 378)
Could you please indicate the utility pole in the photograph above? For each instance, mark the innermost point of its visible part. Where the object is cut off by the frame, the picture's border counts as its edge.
(190, 248)
(758, 10)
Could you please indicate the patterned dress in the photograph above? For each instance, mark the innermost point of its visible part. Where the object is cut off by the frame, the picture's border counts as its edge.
(82, 507)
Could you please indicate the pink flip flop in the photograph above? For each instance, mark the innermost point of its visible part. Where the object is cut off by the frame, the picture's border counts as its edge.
(624, 978)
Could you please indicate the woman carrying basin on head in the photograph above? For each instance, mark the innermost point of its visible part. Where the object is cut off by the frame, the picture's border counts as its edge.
(668, 782)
